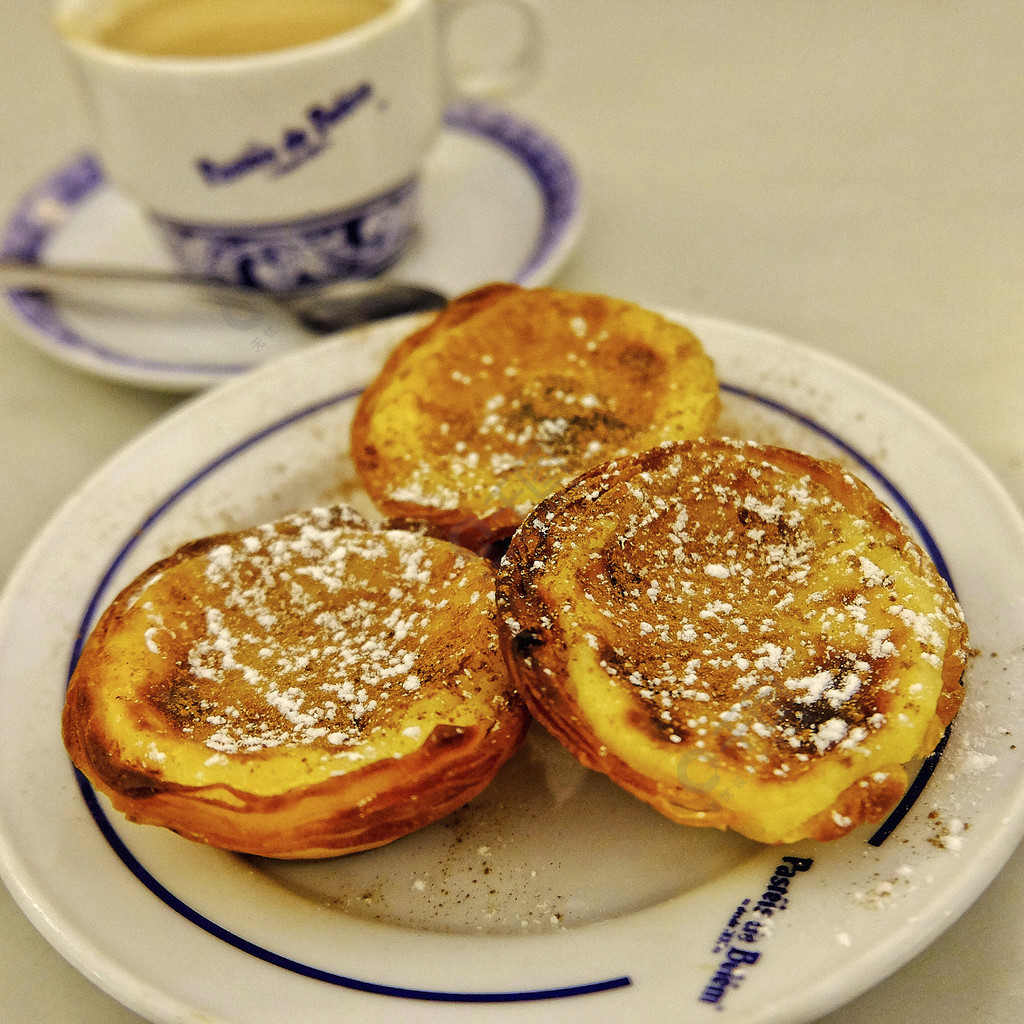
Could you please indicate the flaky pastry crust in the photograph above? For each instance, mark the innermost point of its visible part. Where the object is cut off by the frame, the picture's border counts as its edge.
(305, 688)
(741, 635)
(511, 392)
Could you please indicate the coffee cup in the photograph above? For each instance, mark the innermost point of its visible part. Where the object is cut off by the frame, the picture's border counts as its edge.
(277, 143)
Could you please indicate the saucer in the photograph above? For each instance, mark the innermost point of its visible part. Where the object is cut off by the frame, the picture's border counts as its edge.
(500, 201)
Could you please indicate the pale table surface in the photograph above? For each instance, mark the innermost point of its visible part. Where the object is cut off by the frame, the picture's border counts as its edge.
(848, 175)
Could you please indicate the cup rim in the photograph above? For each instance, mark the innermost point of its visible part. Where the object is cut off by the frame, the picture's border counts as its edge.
(64, 15)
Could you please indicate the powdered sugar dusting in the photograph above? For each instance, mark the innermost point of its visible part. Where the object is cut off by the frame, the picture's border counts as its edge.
(316, 628)
(776, 623)
(546, 386)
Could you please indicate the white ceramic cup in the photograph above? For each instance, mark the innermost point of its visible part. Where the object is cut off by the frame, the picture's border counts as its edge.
(287, 167)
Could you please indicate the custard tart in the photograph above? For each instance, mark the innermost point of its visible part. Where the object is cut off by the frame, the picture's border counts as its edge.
(511, 392)
(308, 687)
(741, 635)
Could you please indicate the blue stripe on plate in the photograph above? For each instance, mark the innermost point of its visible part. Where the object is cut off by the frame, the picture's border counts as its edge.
(307, 970)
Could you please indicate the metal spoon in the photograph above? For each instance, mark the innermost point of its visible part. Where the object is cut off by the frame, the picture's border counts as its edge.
(320, 309)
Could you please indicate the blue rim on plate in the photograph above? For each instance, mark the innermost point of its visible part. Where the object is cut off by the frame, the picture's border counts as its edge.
(46, 208)
(200, 920)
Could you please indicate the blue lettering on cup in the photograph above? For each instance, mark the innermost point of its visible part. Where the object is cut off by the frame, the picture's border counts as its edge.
(297, 144)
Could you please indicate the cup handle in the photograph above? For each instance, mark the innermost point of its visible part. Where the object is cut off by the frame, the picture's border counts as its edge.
(470, 75)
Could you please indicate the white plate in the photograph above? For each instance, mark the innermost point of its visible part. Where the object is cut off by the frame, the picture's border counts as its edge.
(554, 896)
(500, 201)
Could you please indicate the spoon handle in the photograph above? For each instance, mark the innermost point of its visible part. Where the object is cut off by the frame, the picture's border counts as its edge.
(45, 276)
(322, 309)
(25, 274)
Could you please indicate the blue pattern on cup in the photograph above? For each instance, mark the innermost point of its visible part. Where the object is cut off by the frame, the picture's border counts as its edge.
(356, 242)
